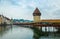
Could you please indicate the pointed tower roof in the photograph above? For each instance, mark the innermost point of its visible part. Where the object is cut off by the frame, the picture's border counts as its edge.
(36, 12)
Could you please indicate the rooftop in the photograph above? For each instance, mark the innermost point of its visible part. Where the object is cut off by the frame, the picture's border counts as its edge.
(36, 12)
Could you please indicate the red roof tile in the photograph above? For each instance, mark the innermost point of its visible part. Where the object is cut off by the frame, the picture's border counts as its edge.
(37, 12)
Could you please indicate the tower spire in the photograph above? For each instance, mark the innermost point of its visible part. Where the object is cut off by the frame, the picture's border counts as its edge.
(36, 12)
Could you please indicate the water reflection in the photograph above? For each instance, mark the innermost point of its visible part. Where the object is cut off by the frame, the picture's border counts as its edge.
(38, 33)
(17, 32)
(4, 30)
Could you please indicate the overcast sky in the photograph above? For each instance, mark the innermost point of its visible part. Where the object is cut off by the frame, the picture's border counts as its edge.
(23, 9)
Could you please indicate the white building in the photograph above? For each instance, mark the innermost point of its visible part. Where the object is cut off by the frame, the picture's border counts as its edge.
(4, 19)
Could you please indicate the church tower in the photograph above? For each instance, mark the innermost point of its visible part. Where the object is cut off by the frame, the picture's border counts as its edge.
(36, 15)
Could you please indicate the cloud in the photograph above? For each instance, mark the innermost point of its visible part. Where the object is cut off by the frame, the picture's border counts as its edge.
(24, 8)
(49, 9)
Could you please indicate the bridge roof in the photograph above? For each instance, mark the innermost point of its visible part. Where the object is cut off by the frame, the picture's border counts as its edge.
(51, 20)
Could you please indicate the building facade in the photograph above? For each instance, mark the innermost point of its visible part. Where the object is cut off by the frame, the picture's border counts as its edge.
(4, 19)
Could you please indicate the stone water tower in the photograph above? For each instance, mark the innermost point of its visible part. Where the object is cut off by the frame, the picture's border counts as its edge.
(37, 15)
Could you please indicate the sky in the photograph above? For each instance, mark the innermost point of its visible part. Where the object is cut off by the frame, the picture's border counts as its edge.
(23, 9)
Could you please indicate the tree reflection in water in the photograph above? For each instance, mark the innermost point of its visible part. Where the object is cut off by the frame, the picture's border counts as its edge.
(38, 33)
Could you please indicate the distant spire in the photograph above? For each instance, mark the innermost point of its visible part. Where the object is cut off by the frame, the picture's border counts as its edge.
(36, 12)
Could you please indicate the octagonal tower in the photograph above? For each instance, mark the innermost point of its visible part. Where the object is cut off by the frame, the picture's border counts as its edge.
(36, 15)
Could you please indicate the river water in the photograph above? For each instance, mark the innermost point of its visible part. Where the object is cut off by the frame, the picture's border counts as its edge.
(17, 32)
